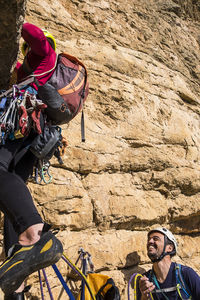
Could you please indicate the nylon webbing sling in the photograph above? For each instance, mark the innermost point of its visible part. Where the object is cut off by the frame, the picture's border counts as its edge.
(20, 85)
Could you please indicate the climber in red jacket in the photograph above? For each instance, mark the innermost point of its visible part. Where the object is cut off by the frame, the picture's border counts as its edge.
(23, 224)
(40, 56)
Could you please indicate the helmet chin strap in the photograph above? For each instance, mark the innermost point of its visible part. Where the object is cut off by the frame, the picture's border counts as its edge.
(156, 259)
(161, 256)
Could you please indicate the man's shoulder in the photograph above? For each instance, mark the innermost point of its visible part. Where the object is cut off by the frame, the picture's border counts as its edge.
(190, 277)
(186, 270)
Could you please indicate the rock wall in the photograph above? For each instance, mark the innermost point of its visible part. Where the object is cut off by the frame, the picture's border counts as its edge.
(11, 19)
(139, 166)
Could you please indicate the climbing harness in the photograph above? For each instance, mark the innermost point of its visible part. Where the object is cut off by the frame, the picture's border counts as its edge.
(19, 113)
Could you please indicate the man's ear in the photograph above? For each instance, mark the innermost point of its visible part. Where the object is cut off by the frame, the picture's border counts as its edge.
(169, 248)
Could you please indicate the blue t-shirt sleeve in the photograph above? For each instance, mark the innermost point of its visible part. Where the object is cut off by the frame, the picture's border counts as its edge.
(192, 280)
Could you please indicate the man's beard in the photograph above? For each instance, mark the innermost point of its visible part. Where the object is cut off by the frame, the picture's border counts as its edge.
(152, 256)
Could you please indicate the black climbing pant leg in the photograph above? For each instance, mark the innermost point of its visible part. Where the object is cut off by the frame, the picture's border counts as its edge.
(16, 202)
(24, 169)
(15, 199)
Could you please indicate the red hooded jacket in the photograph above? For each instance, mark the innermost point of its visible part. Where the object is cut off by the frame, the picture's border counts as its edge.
(41, 57)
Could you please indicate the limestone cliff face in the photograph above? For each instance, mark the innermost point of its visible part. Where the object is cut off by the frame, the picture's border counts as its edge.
(139, 166)
(11, 19)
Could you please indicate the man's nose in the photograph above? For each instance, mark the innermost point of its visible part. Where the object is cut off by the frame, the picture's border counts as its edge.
(150, 241)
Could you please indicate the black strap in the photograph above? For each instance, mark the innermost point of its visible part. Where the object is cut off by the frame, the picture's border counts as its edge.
(26, 67)
(109, 281)
(82, 127)
(17, 296)
(19, 155)
(81, 104)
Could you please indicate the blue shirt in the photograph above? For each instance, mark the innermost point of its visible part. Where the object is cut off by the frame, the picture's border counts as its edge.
(190, 277)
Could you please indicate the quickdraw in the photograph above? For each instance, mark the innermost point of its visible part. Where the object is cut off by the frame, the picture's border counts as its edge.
(86, 259)
(19, 112)
(42, 174)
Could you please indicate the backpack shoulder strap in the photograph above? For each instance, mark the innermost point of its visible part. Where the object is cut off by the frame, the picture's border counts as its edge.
(180, 280)
(109, 281)
(73, 58)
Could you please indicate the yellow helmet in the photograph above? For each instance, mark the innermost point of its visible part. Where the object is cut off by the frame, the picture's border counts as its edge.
(49, 37)
(24, 47)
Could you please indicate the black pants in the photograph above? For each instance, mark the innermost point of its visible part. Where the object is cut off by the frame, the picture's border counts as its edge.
(15, 199)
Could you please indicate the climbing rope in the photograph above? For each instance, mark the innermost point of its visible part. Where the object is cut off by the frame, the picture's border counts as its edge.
(134, 278)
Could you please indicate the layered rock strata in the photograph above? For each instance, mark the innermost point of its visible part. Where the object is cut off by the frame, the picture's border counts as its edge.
(139, 167)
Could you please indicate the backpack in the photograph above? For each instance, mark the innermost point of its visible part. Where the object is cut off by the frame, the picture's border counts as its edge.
(102, 286)
(65, 92)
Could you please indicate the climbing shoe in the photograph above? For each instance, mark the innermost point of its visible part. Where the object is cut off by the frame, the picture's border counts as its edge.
(25, 260)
